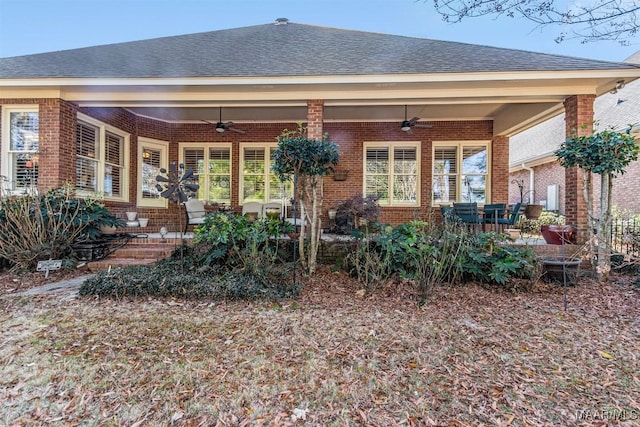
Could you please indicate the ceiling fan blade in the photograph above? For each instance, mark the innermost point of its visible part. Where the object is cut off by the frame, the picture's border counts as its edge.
(424, 126)
(414, 120)
(237, 130)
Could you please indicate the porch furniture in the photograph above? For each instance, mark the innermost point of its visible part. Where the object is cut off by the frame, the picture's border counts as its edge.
(253, 210)
(514, 216)
(446, 212)
(492, 212)
(467, 213)
(272, 207)
(195, 212)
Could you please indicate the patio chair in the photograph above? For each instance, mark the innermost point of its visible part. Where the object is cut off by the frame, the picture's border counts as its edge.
(467, 213)
(447, 213)
(271, 207)
(195, 212)
(514, 216)
(492, 213)
(253, 210)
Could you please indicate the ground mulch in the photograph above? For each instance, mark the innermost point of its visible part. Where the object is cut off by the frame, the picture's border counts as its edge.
(336, 356)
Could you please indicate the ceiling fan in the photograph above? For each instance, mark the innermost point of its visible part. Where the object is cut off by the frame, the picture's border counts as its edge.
(413, 122)
(222, 127)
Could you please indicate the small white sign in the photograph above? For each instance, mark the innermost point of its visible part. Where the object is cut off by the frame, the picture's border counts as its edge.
(50, 264)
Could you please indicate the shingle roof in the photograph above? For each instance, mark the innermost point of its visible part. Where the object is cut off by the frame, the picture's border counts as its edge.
(285, 50)
(611, 111)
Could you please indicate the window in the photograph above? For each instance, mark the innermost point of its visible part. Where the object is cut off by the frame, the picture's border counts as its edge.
(101, 156)
(212, 164)
(20, 144)
(391, 173)
(152, 156)
(460, 172)
(258, 183)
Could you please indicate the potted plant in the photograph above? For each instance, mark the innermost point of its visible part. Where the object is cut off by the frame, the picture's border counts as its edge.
(531, 210)
(555, 231)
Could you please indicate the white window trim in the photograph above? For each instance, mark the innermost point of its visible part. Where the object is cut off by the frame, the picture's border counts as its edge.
(7, 167)
(103, 128)
(163, 147)
(267, 147)
(391, 145)
(461, 145)
(206, 146)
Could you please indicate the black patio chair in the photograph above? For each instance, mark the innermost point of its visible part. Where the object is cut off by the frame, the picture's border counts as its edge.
(514, 216)
(467, 213)
(492, 213)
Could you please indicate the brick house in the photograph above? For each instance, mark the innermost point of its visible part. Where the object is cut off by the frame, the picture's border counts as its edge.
(106, 118)
(531, 158)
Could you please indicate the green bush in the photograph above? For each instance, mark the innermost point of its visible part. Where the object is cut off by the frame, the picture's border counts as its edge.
(432, 256)
(532, 226)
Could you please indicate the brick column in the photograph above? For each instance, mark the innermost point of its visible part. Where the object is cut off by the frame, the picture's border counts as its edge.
(315, 117)
(578, 121)
(500, 169)
(57, 143)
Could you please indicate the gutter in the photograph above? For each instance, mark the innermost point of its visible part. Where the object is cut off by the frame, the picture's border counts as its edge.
(531, 182)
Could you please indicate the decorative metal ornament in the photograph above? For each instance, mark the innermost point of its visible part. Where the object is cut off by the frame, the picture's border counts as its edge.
(177, 184)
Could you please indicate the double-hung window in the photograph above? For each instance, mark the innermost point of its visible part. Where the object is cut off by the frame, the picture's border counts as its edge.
(460, 172)
(392, 173)
(152, 156)
(102, 154)
(212, 164)
(20, 143)
(258, 183)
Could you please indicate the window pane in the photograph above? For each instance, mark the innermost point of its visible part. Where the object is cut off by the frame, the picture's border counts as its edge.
(220, 189)
(86, 141)
(194, 160)
(404, 161)
(445, 188)
(253, 188)
(377, 186)
(86, 174)
(219, 161)
(377, 160)
(405, 188)
(474, 160)
(114, 145)
(151, 159)
(24, 127)
(444, 160)
(474, 188)
(253, 161)
(112, 181)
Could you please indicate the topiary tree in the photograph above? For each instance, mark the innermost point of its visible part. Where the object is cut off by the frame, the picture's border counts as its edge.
(306, 161)
(606, 153)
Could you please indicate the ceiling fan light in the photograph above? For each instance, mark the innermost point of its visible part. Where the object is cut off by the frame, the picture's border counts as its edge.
(220, 128)
(406, 126)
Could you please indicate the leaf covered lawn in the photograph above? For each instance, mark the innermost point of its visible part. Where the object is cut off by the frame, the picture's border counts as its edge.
(334, 357)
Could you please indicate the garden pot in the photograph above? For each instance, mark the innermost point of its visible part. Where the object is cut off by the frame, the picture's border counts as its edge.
(514, 233)
(556, 269)
(533, 211)
(107, 229)
(131, 216)
(556, 234)
(143, 222)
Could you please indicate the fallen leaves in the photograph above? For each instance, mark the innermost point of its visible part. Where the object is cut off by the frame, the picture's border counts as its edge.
(469, 356)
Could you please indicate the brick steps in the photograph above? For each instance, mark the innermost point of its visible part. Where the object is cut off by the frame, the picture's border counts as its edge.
(139, 251)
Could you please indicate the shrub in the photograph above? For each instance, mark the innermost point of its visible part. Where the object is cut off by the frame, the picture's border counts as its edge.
(182, 276)
(431, 256)
(533, 225)
(351, 211)
(34, 228)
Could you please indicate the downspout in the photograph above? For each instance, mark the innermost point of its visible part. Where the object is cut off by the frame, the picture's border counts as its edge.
(531, 183)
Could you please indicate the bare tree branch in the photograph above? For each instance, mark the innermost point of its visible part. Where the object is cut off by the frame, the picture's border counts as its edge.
(589, 21)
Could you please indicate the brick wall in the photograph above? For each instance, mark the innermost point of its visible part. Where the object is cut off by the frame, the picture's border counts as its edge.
(58, 124)
(626, 187)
